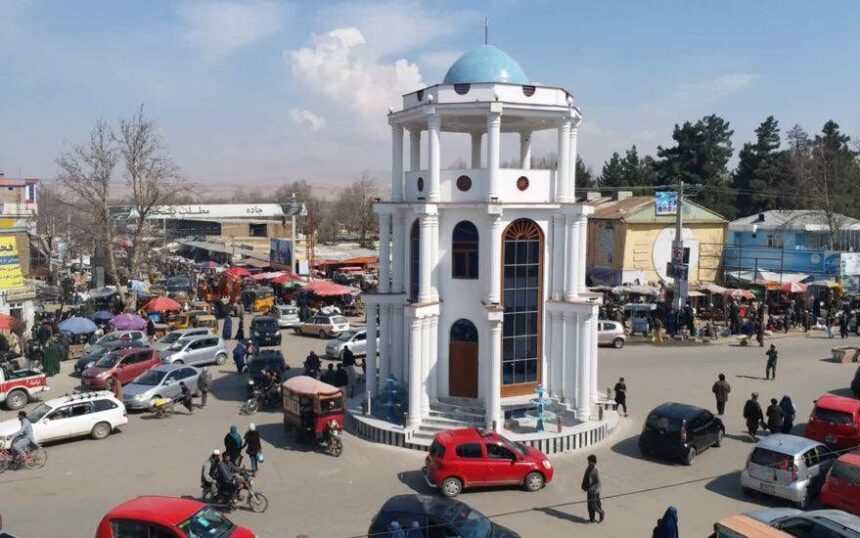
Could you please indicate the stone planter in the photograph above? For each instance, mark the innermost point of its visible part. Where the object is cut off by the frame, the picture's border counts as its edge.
(846, 354)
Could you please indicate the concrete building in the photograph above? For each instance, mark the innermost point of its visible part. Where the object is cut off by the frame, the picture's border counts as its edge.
(482, 270)
(629, 243)
(18, 211)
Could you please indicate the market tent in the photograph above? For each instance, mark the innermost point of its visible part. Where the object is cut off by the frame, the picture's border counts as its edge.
(238, 272)
(7, 322)
(103, 315)
(715, 289)
(267, 276)
(793, 287)
(210, 265)
(742, 294)
(77, 325)
(324, 288)
(286, 277)
(823, 284)
(162, 304)
(126, 322)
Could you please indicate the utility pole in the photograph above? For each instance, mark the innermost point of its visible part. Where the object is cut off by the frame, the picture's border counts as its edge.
(293, 238)
(678, 262)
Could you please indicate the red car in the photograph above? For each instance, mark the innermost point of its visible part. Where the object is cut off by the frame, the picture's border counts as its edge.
(834, 421)
(473, 457)
(126, 364)
(842, 487)
(168, 517)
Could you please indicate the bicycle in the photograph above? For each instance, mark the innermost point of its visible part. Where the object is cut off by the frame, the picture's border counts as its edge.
(34, 458)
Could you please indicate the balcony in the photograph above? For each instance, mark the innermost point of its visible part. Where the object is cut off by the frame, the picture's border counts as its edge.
(536, 188)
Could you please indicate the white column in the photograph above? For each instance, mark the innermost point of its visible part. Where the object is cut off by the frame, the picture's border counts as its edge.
(581, 252)
(583, 362)
(557, 354)
(574, 128)
(476, 150)
(414, 373)
(434, 258)
(426, 361)
(371, 345)
(494, 129)
(558, 258)
(545, 355)
(386, 360)
(526, 150)
(563, 171)
(395, 336)
(494, 265)
(396, 163)
(571, 351)
(571, 251)
(384, 253)
(433, 350)
(425, 289)
(398, 267)
(434, 124)
(494, 410)
(592, 351)
(415, 149)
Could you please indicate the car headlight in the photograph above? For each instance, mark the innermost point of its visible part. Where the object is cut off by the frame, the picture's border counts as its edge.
(139, 396)
(250, 381)
(547, 464)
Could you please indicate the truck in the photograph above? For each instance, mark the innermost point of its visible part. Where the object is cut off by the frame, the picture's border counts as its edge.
(18, 386)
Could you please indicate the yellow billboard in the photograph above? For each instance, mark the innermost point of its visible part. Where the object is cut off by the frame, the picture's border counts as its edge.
(10, 265)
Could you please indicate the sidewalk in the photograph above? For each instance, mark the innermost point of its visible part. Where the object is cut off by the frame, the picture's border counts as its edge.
(733, 339)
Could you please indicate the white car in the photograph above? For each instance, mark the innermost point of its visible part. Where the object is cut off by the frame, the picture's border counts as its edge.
(136, 336)
(286, 314)
(95, 414)
(181, 334)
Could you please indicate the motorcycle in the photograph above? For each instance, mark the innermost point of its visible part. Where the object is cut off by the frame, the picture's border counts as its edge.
(313, 367)
(244, 493)
(260, 399)
(329, 439)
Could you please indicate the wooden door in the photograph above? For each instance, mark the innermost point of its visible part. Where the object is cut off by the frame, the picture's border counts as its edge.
(463, 369)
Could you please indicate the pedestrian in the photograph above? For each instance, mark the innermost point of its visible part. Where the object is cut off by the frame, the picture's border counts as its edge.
(753, 415)
(203, 383)
(721, 390)
(253, 447)
(348, 360)
(828, 324)
(186, 397)
(788, 412)
(233, 445)
(116, 386)
(759, 333)
(843, 325)
(328, 376)
(240, 333)
(227, 329)
(667, 526)
(341, 378)
(150, 328)
(657, 337)
(804, 318)
(591, 487)
(621, 395)
(775, 416)
(239, 356)
(770, 367)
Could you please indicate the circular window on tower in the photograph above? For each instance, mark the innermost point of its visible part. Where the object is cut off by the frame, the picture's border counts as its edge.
(464, 183)
(523, 183)
(420, 184)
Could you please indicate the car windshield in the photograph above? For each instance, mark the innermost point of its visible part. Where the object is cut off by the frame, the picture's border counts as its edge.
(663, 424)
(150, 378)
(108, 361)
(266, 324)
(112, 337)
(346, 337)
(97, 349)
(338, 320)
(170, 338)
(471, 524)
(207, 523)
(178, 345)
(517, 447)
(36, 414)
(770, 458)
(842, 470)
(833, 416)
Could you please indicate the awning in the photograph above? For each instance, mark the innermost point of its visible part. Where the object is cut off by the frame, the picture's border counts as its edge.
(267, 276)
(715, 289)
(324, 288)
(259, 264)
(638, 289)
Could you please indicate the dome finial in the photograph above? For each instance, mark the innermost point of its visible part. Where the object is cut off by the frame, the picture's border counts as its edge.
(487, 31)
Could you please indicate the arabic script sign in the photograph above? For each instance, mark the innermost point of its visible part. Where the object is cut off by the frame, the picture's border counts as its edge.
(10, 268)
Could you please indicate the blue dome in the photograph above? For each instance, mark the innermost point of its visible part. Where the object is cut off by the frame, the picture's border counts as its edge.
(486, 64)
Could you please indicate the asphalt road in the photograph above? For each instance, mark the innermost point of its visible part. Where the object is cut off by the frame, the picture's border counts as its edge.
(321, 496)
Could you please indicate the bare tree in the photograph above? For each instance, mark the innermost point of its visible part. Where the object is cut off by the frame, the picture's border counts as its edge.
(355, 207)
(301, 188)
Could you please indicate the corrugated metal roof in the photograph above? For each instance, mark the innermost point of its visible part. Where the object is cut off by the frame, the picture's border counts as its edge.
(792, 220)
(640, 209)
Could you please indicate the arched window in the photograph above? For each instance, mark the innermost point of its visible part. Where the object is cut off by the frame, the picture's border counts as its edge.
(522, 296)
(464, 248)
(414, 260)
(463, 360)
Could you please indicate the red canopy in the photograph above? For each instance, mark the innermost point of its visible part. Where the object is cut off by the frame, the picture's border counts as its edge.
(324, 288)
(237, 272)
(162, 304)
(286, 277)
(793, 287)
(6, 322)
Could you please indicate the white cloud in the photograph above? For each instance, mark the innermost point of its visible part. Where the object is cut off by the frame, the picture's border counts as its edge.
(358, 84)
(219, 28)
(438, 61)
(308, 119)
(713, 89)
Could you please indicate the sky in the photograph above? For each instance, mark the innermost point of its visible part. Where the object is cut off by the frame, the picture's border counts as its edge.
(261, 92)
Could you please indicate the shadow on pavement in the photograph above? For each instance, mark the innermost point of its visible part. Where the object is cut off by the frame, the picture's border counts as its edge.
(230, 386)
(729, 485)
(414, 480)
(630, 447)
(562, 515)
(742, 376)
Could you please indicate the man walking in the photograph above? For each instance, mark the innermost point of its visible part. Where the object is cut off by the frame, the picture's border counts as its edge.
(591, 487)
(770, 368)
(775, 416)
(349, 366)
(203, 383)
(657, 337)
(753, 416)
(621, 395)
(721, 390)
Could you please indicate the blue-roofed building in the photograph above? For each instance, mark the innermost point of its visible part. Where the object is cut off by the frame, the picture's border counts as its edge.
(486, 64)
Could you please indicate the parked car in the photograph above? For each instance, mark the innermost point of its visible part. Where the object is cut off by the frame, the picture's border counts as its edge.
(611, 333)
(680, 431)
(167, 517)
(447, 518)
(114, 336)
(174, 336)
(265, 331)
(286, 314)
(324, 326)
(96, 414)
(17, 387)
(815, 523)
(124, 364)
(355, 340)
(267, 359)
(98, 351)
(787, 466)
(473, 457)
(159, 382)
(196, 350)
(855, 383)
(743, 526)
(842, 486)
(834, 421)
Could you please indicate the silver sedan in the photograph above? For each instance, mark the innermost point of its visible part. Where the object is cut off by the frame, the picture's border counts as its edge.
(159, 382)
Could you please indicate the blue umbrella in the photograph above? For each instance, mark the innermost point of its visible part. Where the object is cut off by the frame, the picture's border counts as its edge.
(102, 315)
(138, 285)
(77, 325)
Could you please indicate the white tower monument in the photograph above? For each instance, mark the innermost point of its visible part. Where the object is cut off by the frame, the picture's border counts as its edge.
(481, 294)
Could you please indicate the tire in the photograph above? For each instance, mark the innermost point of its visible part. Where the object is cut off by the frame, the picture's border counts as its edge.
(258, 502)
(534, 481)
(37, 459)
(101, 431)
(297, 331)
(322, 334)
(719, 442)
(618, 343)
(689, 456)
(17, 399)
(220, 359)
(336, 447)
(644, 451)
(451, 487)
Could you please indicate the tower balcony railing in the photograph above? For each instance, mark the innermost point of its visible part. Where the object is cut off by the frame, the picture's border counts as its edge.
(472, 185)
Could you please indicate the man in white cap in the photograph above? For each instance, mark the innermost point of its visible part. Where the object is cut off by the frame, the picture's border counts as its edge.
(203, 383)
(208, 475)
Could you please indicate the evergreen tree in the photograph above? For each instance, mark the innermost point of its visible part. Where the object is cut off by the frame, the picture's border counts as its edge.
(638, 172)
(584, 175)
(700, 158)
(760, 176)
(612, 174)
(833, 179)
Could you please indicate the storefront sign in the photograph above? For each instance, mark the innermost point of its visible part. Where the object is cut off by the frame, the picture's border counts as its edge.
(10, 268)
(19, 295)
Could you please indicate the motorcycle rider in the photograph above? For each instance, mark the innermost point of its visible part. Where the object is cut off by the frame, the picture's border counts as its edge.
(209, 472)
(23, 438)
(225, 476)
(313, 365)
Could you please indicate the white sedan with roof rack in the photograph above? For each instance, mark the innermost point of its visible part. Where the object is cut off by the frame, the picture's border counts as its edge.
(79, 414)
